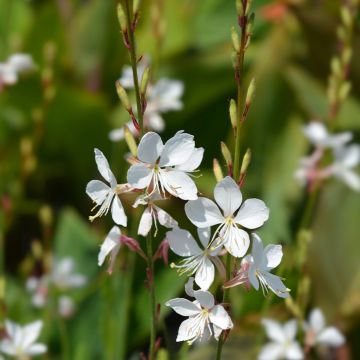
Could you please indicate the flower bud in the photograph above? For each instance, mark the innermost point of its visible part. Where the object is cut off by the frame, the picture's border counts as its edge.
(335, 65)
(250, 92)
(346, 16)
(239, 7)
(144, 81)
(217, 171)
(344, 90)
(227, 155)
(248, 7)
(136, 6)
(346, 56)
(130, 141)
(121, 17)
(235, 40)
(233, 113)
(123, 96)
(245, 163)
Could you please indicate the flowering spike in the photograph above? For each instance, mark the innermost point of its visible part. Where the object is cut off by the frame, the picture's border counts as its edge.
(130, 141)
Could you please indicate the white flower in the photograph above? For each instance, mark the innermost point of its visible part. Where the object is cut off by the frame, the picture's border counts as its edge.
(63, 275)
(317, 133)
(198, 261)
(66, 306)
(317, 333)
(20, 340)
(346, 159)
(106, 196)
(251, 215)
(13, 67)
(111, 245)
(127, 80)
(164, 167)
(283, 344)
(258, 266)
(39, 288)
(152, 214)
(205, 318)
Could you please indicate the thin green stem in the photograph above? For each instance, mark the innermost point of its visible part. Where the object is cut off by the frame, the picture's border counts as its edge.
(65, 343)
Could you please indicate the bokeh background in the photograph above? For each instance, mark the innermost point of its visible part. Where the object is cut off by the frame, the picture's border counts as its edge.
(52, 119)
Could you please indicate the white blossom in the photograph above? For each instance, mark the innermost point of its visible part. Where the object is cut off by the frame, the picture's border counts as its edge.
(106, 196)
(66, 306)
(197, 261)
(21, 340)
(165, 167)
(205, 319)
(317, 333)
(283, 343)
(110, 246)
(235, 215)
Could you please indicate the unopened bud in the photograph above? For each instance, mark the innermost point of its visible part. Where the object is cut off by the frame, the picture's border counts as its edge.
(344, 90)
(346, 16)
(227, 155)
(37, 249)
(121, 17)
(217, 171)
(239, 7)
(130, 141)
(136, 6)
(235, 39)
(346, 56)
(341, 33)
(233, 113)
(123, 96)
(46, 215)
(144, 81)
(292, 306)
(245, 162)
(335, 66)
(250, 92)
(248, 7)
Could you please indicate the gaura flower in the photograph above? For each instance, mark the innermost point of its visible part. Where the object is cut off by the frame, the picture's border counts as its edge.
(164, 168)
(317, 333)
(197, 261)
(205, 318)
(283, 344)
(106, 196)
(110, 246)
(233, 218)
(20, 340)
(256, 269)
(152, 214)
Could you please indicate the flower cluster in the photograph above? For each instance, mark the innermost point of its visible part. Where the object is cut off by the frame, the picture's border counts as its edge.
(14, 66)
(61, 278)
(283, 344)
(344, 157)
(163, 96)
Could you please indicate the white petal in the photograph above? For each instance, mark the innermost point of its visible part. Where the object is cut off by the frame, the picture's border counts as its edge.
(331, 336)
(274, 330)
(348, 156)
(117, 212)
(182, 243)
(205, 274)
(30, 333)
(13, 330)
(252, 214)
(253, 278)
(228, 195)
(316, 320)
(193, 162)
(21, 62)
(273, 255)
(257, 251)
(103, 166)
(166, 93)
(271, 351)
(150, 148)
(179, 184)
(350, 178)
(188, 330)
(204, 236)
(203, 212)
(276, 285)
(183, 307)
(290, 329)
(316, 132)
(8, 348)
(155, 121)
(139, 176)
(189, 287)
(165, 219)
(97, 191)
(111, 242)
(36, 349)
(177, 150)
(145, 222)
(236, 241)
(205, 298)
(219, 316)
(294, 352)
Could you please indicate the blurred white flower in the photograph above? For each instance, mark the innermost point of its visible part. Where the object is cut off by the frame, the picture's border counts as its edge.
(110, 246)
(66, 306)
(163, 96)
(197, 261)
(152, 214)
(63, 275)
(39, 288)
(317, 333)
(106, 196)
(250, 215)
(13, 67)
(257, 266)
(205, 318)
(164, 168)
(283, 344)
(20, 340)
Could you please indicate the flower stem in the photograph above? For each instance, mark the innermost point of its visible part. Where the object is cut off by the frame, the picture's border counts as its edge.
(151, 284)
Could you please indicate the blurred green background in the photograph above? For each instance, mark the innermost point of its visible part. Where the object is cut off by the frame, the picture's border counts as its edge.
(48, 130)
